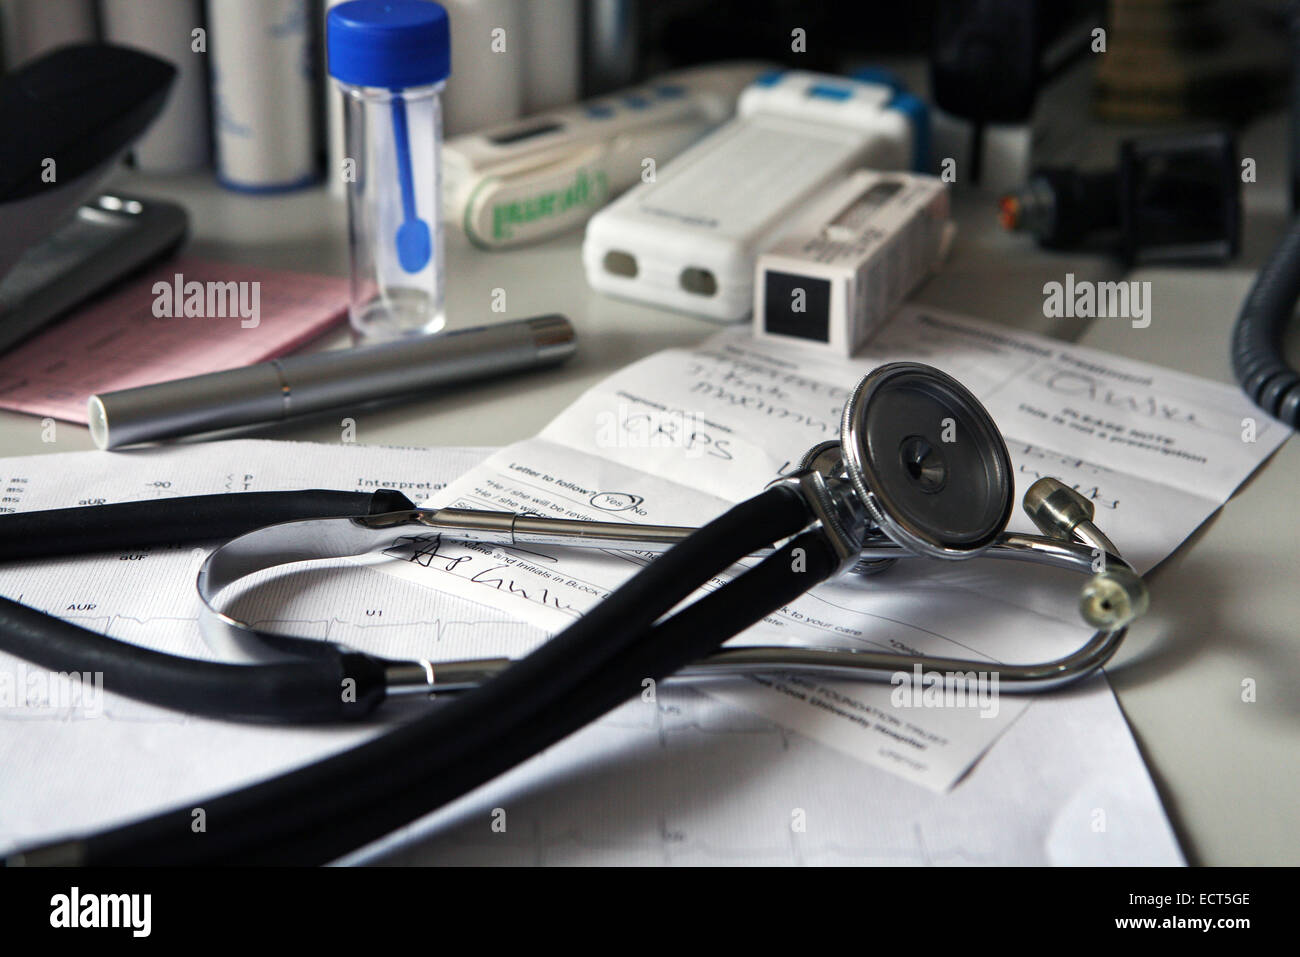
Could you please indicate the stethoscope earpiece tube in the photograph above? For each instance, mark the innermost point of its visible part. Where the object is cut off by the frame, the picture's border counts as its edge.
(315, 814)
(308, 690)
(166, 521)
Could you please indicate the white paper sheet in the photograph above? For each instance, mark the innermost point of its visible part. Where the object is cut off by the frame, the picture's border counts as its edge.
(685, 779)
(677, 437)
(694, 781)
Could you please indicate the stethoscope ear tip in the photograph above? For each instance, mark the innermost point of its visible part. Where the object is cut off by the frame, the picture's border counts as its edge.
(1115, 595)
(1056, 508)
(1114, 598)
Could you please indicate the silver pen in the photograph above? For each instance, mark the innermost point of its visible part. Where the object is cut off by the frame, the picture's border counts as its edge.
(297, 385)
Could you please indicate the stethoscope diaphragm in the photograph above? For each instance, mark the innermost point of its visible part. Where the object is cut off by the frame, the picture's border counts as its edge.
(927, 461)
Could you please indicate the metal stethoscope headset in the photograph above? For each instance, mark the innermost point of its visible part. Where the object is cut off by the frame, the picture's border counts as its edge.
(890, 488)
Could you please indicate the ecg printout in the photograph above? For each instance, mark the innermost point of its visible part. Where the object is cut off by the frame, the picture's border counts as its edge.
(118, 343)
(684, 779)
(677, 437)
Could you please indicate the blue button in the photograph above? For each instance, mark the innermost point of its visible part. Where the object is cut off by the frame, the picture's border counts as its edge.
(636, 102)
(599, 111)
(827, 92)
(670, 91)
(770, 78)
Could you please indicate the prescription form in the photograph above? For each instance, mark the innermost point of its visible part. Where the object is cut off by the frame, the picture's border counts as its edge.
(677, 437)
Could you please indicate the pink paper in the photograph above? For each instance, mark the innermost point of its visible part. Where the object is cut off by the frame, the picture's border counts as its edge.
(119, 342)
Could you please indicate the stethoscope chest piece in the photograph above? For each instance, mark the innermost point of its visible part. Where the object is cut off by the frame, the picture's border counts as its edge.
(927, 461)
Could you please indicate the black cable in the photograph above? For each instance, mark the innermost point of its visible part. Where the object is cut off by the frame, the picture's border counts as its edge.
(1257, 357)
(1293, 36)
(383, 784)
(1257, 339)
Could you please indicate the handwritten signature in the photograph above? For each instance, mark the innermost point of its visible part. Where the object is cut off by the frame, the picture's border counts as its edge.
(428, 551)
(1078, 384)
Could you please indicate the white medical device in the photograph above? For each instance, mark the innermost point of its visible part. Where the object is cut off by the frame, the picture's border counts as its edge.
(536, 177)
(843, 269)
(689, 239)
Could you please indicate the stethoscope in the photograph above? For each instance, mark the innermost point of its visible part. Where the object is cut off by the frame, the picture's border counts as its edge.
(919, 471)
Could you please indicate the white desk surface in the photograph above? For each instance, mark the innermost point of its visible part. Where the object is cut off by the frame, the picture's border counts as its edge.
(1225, 607)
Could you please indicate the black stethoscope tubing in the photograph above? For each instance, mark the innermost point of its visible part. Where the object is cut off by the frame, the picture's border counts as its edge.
(302, 690)
(319, 812)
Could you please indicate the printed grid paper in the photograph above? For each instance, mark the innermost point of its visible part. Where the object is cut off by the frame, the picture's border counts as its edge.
(118, 342)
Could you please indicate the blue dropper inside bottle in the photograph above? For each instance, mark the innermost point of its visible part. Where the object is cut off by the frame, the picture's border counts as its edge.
(414, 241)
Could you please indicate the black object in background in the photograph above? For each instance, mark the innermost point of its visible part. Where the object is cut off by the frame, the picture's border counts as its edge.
(1173, 198)
(1293, 33)
(629, 40)
(105, 241)
(1259, 358)
(67, 117)
(80, 106)
(989, 58)
(1179, 198)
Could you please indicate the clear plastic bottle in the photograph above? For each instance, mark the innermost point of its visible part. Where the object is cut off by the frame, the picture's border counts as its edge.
(389, 59)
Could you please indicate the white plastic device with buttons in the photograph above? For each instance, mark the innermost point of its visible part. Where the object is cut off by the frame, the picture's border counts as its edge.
(536, 177)
(689, 240)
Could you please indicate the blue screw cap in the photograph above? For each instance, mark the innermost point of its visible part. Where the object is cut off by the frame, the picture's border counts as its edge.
(392, 44)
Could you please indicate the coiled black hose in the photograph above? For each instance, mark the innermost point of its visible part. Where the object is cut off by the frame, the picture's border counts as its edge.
(1257, 358)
